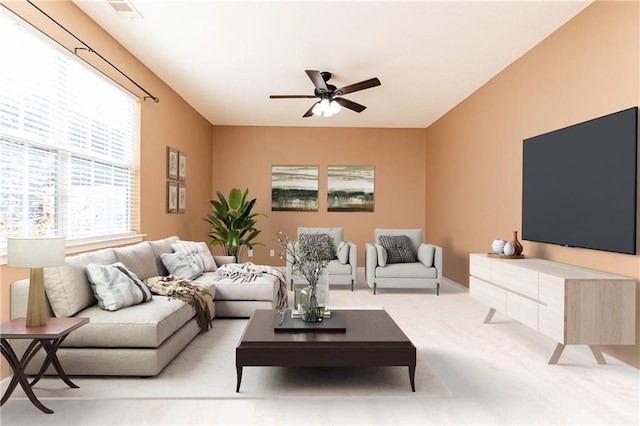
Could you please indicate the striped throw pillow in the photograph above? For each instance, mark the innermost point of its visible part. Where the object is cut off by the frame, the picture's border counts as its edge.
(115, 286)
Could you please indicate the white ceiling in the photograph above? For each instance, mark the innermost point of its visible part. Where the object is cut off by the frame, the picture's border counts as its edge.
(226, 57)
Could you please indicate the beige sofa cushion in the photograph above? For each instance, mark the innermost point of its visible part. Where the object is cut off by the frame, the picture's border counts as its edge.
(141, 326)
(67, 286)
(263, 288)
(139, 258)
(159, 247)
(198, 252)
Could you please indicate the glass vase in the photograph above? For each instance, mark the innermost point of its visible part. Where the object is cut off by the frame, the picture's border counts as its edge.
(310, 308)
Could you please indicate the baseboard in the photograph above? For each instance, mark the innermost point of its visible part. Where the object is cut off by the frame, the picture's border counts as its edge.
(446, 280)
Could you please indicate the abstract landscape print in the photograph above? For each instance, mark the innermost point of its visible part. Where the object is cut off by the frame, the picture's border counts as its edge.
(350, 188)
(294, 188)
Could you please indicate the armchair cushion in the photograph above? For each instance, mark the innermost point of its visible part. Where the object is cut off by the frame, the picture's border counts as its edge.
(382, 255)
(336, 234)
(343, 252)
(426, 253)
(398, 249)
(406, 270)
(318, 240)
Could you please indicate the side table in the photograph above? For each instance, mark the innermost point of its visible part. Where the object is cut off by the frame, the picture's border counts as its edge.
(49, 337)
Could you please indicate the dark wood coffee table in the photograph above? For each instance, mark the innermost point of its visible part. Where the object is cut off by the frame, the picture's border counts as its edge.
(372, 339)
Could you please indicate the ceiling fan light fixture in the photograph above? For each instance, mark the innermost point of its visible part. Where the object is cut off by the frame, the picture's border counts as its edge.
(331, 102)
(325, 108)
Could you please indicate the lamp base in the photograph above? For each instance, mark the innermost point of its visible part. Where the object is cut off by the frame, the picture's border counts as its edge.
(36, 305)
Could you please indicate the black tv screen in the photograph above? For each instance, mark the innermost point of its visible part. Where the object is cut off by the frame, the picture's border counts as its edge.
(579, 184)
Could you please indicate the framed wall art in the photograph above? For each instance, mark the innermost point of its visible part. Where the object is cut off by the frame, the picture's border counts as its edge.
(182, 165)
(350, 188)
(172, 197)
(182, 198)
(172, 163)
(294, 188)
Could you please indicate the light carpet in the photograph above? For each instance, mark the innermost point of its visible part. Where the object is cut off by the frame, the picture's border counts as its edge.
(205, 369)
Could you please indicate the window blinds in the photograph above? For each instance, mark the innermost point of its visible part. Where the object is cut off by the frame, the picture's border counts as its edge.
(69, 142)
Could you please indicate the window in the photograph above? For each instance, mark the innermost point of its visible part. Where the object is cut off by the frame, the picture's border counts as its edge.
(69, 141)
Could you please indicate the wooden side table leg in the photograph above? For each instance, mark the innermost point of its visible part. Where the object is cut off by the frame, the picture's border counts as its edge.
(555, 356)
(489, 316)
(52, 359)
(19, 376)
(14, 363)
(598, 354)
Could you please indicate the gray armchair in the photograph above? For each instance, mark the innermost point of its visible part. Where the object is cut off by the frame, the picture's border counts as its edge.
(341, 270)
(404, 262)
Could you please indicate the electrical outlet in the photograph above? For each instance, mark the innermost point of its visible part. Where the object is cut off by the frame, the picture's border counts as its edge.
(272, 253)
(250, 252)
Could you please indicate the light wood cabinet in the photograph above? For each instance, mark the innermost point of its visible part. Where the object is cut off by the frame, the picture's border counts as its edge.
(569, 304)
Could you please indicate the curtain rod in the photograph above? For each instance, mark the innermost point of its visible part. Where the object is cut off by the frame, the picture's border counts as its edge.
(89, 49)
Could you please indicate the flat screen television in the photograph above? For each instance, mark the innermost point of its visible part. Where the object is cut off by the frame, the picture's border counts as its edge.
(579, 184)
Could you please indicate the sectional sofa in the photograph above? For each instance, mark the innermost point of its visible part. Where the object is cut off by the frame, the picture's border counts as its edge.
(138, 340)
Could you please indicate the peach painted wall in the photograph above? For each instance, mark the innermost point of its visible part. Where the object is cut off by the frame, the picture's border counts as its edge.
(586, 69)
(243, 156)
(171, 122)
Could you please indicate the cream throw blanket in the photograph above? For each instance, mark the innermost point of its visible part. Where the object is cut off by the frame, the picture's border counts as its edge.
(247, 272)
(192, 293)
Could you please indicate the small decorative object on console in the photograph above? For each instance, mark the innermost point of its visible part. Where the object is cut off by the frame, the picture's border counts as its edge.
(516, 244)
(498, 246)
(509, 249)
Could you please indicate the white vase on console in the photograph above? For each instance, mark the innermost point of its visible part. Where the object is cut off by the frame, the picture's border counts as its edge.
(509, 249)
(498, 246)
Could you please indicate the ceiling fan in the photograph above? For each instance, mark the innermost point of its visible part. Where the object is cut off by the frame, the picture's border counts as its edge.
(330, 96)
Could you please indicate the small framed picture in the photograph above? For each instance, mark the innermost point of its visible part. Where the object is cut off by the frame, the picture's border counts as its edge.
(182, 165)
(182, 198)
(172, 163)
(172, 197)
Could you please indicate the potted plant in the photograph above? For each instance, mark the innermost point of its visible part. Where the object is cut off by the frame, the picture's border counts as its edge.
(233, 223)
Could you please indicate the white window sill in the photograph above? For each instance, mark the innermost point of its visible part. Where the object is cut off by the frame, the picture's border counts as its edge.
(93, 244)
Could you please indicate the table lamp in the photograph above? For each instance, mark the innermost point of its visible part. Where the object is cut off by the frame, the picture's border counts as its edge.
(35, 253)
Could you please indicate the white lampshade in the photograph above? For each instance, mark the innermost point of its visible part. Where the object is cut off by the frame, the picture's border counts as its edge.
(35, 252)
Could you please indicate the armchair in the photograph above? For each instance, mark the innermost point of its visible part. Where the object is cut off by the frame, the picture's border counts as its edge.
(341, 270)
(419, 265)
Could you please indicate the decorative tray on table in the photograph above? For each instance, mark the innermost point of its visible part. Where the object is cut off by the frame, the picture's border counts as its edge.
(504, 256)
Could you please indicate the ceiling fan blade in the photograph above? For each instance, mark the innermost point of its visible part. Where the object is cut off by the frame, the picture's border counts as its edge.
(309, 113)
(367, 84)
(291, 96)
(317, 80)
(350, 104)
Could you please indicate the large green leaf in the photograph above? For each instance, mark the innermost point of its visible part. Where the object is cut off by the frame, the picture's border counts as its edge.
(235, 199)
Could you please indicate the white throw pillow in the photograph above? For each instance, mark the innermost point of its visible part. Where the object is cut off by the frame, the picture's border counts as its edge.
(180, 265)
(343, 252)
(115, 286)
(382, 255)
(198, 252)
